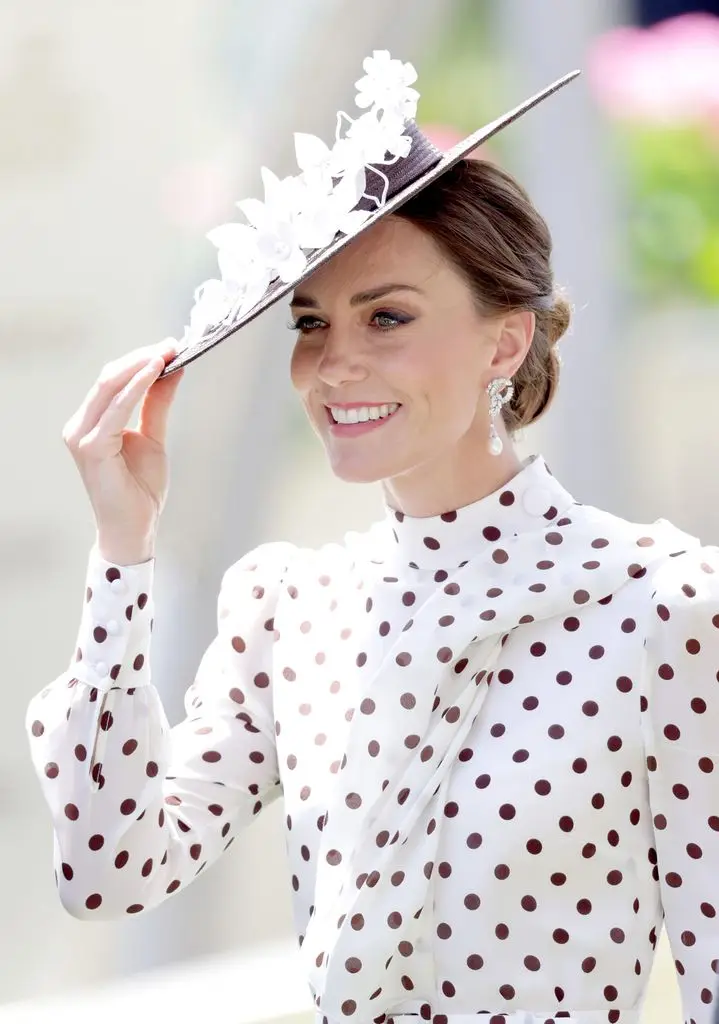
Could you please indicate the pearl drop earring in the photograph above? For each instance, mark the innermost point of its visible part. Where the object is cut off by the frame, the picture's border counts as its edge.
(500, 391)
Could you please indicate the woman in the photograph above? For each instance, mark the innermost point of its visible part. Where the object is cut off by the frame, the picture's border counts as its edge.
(489, 715)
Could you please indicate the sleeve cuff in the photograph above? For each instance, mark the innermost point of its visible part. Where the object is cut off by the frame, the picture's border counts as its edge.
(114, 637)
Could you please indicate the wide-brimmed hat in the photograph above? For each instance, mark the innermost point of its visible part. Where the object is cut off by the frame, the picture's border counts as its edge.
(378, 161)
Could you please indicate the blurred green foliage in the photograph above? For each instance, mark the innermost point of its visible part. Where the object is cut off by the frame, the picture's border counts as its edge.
(672, 175)
(462, 76)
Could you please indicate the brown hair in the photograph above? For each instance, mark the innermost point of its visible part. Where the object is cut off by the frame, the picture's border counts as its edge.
(484, 220)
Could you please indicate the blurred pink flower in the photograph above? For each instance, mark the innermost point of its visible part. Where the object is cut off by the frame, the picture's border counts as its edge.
(668, 73)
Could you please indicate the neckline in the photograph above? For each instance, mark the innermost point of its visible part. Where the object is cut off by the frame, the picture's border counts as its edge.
(532, 500)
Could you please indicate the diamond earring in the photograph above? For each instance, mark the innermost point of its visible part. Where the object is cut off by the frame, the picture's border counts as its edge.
(500, 391)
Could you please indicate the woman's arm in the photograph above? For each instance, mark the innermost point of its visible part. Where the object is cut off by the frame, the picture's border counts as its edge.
(681, 721)
(140, 809)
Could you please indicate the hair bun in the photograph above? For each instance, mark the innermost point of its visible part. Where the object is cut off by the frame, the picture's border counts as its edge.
(558, 319)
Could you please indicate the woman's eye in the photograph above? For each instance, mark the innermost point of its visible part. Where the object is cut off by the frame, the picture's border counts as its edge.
(386, 321)
(382, 320)
(304, 324)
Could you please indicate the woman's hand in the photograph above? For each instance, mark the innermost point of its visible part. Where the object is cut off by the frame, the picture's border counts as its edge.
(125, 472)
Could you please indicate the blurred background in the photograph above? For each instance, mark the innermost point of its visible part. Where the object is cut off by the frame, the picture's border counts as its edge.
(128, 131)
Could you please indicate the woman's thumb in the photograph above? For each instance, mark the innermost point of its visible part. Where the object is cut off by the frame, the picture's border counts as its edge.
(155, 409)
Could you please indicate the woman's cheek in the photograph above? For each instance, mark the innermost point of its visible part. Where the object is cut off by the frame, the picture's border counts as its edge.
(301, 368)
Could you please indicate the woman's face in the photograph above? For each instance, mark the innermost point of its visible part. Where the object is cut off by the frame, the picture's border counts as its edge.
(392, 357)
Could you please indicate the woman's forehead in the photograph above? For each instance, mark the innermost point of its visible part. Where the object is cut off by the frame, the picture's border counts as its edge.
(392, 251)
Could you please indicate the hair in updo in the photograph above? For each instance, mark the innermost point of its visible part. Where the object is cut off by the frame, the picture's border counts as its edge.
(485, 222)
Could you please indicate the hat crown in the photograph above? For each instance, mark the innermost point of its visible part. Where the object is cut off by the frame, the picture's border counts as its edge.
(422, 157)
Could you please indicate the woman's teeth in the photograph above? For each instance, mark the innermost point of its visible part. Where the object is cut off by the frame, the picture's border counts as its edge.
(363, 413)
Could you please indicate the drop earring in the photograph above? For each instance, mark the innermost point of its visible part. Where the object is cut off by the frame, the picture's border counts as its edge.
(500, 391)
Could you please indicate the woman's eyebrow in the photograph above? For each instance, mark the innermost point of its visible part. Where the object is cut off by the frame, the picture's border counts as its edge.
(308, 302)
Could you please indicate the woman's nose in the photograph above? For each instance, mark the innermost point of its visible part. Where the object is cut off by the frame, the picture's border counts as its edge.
(340, 362)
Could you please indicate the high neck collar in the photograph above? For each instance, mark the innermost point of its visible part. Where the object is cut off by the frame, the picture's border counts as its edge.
(531, 500)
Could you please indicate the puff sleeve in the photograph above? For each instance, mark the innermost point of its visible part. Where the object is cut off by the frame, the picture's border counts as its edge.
(139, 809)
(681, 726)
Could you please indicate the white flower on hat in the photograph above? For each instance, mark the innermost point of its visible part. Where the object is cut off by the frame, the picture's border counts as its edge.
(308, 211)
(386, 85)
(242, 266)
(373, 137)
(323, 215)
(213, 301)
(319, 164)
(273, 220)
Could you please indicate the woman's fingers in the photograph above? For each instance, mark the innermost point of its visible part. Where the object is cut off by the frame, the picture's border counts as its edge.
(108, 431)
(113, 378)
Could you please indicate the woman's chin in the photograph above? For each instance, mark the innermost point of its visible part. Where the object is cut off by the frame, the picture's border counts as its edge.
(358, 470)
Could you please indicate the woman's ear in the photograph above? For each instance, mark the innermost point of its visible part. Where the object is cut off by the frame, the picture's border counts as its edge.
(516, 332)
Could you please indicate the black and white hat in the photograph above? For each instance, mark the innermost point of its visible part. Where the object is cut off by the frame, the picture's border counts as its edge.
(378, 161)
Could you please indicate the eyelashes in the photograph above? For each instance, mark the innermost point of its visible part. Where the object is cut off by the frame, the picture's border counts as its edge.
(391, 320)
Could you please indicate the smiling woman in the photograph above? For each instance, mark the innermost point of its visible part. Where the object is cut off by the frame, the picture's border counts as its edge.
(492, 717)
(420, 314)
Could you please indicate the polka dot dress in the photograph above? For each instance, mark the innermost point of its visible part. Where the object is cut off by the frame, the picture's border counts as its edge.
(494, 732)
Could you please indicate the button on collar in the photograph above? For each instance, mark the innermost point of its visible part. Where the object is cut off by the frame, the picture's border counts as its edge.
(537, 500)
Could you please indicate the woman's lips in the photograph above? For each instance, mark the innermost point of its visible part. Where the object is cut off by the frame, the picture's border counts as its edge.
(356, 429)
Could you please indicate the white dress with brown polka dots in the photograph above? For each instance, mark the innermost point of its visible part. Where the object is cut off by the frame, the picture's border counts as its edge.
(495, 732)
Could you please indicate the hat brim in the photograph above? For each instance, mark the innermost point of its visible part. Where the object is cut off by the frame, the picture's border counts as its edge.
(319, 257)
